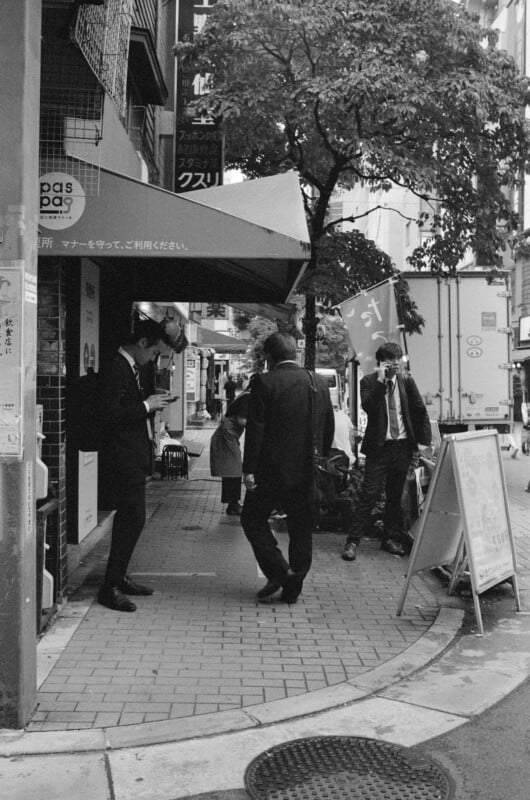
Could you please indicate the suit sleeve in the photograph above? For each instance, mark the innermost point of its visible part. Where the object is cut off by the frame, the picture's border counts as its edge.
(372, 395)
(418, 414)
(120, 404)
(256, 420)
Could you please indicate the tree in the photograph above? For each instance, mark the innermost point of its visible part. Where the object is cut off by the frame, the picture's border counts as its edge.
(409, 93)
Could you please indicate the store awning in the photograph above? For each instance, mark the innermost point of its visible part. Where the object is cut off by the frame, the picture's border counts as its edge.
(221, 342)
(245, 241)
(284, 313)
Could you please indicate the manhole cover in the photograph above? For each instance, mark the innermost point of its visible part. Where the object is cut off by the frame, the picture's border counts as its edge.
(344, 768)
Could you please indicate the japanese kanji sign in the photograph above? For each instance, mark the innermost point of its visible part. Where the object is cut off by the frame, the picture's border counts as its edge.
(199, 157)
(371, 319)
(10, 360)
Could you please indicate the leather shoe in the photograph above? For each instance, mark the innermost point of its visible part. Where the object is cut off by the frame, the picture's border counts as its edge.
(287, 598)
(269, 590)
(128, 586)
(391, 546)
(349, 553)
(111, 597)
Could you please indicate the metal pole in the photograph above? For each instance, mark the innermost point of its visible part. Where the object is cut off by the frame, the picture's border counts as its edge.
(19, 208)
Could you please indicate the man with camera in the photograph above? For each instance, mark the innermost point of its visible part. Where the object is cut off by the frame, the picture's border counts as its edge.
(397, 424)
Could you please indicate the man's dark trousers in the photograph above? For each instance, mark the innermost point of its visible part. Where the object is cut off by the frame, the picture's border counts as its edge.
(386, 470)
(129, 520)
(257, 508)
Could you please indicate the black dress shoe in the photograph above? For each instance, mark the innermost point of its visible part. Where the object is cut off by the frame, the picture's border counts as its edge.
(269, 590)
(128, 586)
(349, 552)
(391, 546)
(111, 597)
(288, 598)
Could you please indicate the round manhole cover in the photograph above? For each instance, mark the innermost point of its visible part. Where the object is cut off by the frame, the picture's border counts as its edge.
(344, 768)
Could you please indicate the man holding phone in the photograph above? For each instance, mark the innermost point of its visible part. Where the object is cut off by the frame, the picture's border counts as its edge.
(126, 454)
(397, 425)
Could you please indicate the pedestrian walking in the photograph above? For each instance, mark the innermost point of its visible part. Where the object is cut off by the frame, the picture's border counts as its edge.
(277, 465)
(225, 453)
(127, 455)
(397, 424)
(230, 389)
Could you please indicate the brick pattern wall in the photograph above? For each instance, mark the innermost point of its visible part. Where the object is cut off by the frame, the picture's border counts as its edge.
(51, 393)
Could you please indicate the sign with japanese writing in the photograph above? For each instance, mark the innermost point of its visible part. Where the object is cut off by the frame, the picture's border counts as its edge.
(62, 200)
(199, 157)
(10, 359)
(371, 319)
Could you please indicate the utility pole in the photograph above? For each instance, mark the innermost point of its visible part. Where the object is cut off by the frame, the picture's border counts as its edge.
(20, 34)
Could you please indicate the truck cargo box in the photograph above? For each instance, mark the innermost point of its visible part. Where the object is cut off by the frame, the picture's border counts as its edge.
(461, 362)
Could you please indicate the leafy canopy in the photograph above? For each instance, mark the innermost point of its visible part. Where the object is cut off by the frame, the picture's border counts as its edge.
(381, 92)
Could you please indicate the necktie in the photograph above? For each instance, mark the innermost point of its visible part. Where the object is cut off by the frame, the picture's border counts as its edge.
(137, 376)
(392, 409)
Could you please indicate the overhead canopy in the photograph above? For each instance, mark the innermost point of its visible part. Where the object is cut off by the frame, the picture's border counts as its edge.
(278, 312)
(222, 343)
(245, 241)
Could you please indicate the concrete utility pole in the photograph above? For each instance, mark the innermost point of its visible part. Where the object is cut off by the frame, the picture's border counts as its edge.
(20, 34)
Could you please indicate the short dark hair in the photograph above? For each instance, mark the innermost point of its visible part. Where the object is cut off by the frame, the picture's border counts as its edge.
(150, 330)
(387, 351)
(280, 346)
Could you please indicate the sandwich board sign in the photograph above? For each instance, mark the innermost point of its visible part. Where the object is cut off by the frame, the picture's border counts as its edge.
(465, 517)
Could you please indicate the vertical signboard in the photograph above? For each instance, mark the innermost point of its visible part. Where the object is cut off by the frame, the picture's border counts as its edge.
(88, 360)
(11, 304)
(199, 157)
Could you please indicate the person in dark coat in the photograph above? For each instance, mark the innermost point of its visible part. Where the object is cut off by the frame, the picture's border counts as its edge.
(397, 424)
(126, 455)
(277, 464)
(230, 389)
(225, 452)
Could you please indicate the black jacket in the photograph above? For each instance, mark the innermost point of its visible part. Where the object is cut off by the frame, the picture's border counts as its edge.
(126, 446)
(278, 441)
(413, 409)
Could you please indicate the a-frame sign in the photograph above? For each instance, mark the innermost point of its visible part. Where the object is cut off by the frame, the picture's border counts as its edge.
(466, 518)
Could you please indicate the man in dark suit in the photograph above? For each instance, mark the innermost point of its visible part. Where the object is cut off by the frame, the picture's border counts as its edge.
(126, 455)
(397, 424)
(277, 464)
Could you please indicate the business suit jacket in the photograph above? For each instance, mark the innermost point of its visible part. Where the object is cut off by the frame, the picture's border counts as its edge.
(278, 441)
(126, 447)
(415, 417)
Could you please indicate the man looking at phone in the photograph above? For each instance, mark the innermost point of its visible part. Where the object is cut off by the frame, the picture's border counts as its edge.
(397, 424)
(126, 455)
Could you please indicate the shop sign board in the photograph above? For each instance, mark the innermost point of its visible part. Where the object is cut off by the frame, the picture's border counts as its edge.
(466, 519)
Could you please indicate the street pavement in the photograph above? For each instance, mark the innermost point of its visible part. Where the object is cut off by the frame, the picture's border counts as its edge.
(175, 700)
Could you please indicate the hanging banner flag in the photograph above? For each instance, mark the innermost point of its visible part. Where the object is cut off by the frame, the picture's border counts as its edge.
(371, 319)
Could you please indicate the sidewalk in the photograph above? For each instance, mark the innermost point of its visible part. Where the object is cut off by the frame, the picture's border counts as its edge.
(133, 696)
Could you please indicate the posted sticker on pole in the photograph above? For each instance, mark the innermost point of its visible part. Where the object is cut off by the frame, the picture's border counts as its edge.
(466, 516)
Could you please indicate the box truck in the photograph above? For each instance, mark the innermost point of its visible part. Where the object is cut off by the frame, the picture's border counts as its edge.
(462, 360)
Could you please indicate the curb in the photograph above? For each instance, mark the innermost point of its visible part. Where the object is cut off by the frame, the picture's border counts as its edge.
(431, 646)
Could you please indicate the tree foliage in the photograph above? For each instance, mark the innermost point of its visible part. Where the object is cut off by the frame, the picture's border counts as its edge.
(409, 93)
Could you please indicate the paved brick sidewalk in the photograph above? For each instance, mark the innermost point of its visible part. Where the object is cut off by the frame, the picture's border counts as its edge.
(201, 643)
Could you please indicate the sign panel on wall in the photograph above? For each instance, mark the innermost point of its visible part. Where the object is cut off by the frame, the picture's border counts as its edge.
(11, 358)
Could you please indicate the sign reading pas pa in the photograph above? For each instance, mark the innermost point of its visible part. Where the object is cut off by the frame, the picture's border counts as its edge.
(62, 200)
